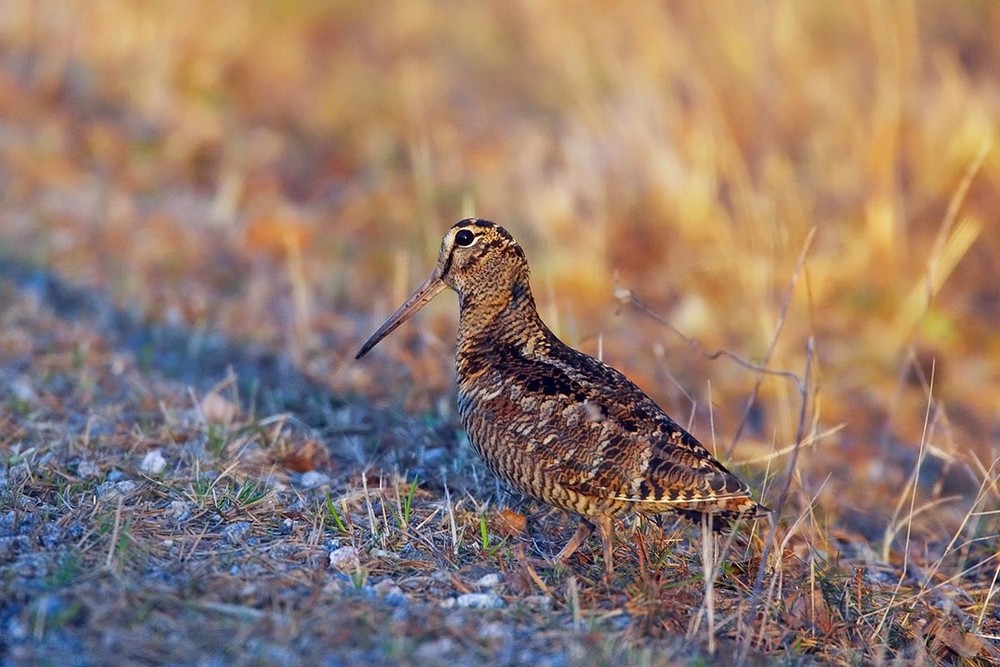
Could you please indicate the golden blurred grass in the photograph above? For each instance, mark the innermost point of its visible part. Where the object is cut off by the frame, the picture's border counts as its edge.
(282, 172)
(686, 148)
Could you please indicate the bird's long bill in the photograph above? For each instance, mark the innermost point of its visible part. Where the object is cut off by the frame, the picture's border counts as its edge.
(427, 291)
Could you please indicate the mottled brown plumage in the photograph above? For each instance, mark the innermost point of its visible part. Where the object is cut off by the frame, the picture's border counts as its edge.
(554, 423)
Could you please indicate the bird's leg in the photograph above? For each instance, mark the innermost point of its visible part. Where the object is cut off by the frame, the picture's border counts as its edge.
(606, 525)
(583, 531)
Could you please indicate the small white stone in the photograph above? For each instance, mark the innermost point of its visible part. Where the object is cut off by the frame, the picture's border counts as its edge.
(236, 533)
(493, 631)
(434, 651)
(114, 489)
(179, 510)
(22, 389)
(488, 580)
(88, 470)
(479, 600)
(388, 589)
(313, 479)
(153, 463)
(345, 559)
(537, 601)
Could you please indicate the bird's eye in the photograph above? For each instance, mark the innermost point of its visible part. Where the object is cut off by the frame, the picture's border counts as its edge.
(465, 238)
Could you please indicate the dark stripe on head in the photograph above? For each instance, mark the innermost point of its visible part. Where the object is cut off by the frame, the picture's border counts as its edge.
(473, 222)
(447, 263)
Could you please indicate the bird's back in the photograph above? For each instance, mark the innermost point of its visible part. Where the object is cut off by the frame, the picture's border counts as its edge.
(565, 428)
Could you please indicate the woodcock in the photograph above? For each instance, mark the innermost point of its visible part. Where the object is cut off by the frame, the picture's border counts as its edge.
(554, 423)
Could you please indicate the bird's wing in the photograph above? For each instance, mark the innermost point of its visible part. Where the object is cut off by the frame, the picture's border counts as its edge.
(638, 453)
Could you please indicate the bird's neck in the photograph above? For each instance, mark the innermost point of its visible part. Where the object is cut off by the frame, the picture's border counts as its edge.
(499, 315)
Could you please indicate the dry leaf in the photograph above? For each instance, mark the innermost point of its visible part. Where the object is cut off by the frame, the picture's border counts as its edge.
(217, 409)
(310, 456)
(944, 638)
(510, 523)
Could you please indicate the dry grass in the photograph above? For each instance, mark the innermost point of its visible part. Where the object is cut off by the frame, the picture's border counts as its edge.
(205, 208)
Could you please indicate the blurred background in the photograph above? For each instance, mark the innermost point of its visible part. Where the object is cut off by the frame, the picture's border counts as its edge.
(281, 173)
